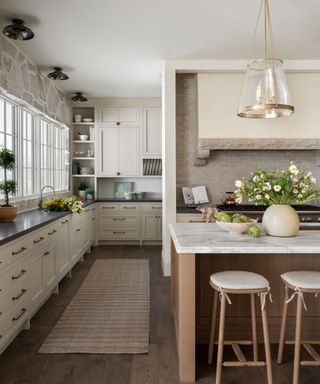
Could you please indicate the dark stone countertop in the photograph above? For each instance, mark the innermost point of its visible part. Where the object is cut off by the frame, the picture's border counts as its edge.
(26, 222)
(123, 200)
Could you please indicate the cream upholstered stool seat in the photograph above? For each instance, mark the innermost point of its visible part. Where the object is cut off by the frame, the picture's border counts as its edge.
(246, 283)
(297, 283)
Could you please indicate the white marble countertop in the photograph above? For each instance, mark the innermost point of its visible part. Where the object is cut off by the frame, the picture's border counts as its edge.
(209, 238)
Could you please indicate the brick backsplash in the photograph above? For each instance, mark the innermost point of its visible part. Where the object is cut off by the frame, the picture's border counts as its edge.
(223, 167)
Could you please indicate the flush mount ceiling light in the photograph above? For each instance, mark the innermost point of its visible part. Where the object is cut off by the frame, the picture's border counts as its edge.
(79, 97)
(57, 74)
(265, 92)
(18, 31)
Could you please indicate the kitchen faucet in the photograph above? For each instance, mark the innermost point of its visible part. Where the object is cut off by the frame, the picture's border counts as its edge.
(41, 193)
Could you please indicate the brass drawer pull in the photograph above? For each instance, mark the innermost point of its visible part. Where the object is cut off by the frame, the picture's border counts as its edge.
(119, 218)
(78, 230)
(38, 241)
(119, 233)
(46, 253)
(65, 221)
(23, 310)
(87, 210)
(156, 207)
(17, 252)
(108, 207)
(23, 271)
(51, 233)
(129, 207)
(23, 291)
(93, 218)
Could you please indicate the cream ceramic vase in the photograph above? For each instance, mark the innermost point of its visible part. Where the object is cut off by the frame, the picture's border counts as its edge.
(281, 220)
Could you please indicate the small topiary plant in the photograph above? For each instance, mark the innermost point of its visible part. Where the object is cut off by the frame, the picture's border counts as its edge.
(7, 162)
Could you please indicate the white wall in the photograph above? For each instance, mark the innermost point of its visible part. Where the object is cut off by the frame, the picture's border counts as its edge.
(218, 101)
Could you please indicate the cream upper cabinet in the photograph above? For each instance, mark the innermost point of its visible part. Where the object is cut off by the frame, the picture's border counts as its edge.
(118, 152)
(151, 136)
(128, 152)
(119, 116)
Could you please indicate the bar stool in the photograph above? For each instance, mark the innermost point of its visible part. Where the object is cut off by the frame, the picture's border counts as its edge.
(299, 282)
(239, 283)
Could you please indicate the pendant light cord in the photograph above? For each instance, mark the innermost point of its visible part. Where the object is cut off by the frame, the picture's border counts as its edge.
(269, 46)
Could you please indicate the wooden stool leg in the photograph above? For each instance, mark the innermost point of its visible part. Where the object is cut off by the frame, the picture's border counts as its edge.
(213, 326)
(221, 340)
(266, 342)
(283, 326)
(254, 327)
(297, 342)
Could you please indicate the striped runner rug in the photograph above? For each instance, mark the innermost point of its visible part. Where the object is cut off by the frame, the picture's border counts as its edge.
(108, 314)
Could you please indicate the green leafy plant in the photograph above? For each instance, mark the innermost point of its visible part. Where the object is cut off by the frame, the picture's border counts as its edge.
(83, 185)
(286, 186)
(7, 162)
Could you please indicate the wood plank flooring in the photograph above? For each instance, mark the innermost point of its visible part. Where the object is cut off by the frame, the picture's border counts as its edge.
(21, 363)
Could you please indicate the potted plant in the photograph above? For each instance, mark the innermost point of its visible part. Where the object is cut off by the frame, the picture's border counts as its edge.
(82, 188)
(279, 189)
(7, 187)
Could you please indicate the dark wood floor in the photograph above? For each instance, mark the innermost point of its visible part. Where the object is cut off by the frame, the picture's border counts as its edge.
(21, 363)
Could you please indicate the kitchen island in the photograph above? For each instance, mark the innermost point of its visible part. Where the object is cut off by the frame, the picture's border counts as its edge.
(198, 250)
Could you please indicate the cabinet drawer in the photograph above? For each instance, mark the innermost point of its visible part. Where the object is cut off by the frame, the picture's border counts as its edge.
(119, 221)
(13, 297)
(38, 239)
(194, 218)
(14, 318)
(52, 231)
(18, 249)
(108, 207)
(3, 257)
(11, 277)
(118, 234)
(129, 207)
(151, 207)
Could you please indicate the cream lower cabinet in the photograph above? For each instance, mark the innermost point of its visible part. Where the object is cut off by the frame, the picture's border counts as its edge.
(32, 266)
(190, 218)
(129, 222)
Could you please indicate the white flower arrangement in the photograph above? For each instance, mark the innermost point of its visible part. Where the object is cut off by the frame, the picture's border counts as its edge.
(287, 186)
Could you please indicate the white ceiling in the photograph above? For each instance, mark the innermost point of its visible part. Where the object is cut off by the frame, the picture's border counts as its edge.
(116, 47)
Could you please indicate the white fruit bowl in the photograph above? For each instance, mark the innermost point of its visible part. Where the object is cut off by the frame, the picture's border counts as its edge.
(236, 228)
(83, 137)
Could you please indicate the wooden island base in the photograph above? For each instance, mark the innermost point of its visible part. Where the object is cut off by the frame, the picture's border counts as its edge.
(192, 297)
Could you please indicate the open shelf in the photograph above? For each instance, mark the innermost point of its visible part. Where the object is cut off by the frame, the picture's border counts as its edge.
(83, 158)
(83, 175)
(83, 142)
(82, 123)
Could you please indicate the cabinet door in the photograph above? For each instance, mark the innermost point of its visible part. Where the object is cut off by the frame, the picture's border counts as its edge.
(86, 225)
(93, 225)
(128, 116)
(62, 248)
(149, 227)
(35, 276)
(151, 132)
(159, 229)
(48, 267)
(128, 152)
(73, 252)
(109, 116)
(108, 144)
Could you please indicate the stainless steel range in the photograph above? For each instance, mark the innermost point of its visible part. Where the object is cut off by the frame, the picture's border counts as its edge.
(307, 213)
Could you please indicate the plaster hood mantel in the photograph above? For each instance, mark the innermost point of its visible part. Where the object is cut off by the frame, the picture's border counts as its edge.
(219, 127)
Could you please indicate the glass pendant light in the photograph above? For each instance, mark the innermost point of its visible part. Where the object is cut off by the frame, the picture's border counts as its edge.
(79, 97)
(18, 31)
(265, 92)
(57, 74)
